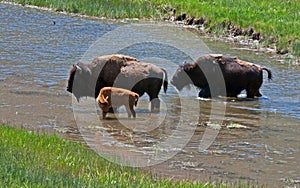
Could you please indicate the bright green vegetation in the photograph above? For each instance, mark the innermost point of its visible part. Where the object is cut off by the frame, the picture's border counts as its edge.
(32, 160)
(277, 20)
(101, 8)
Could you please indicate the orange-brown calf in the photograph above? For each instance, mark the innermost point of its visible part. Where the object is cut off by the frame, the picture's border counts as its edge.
(116, 97)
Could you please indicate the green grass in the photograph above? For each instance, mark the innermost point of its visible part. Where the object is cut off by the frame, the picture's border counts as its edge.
(33, 160)
(273, 18)
(276, 18)
(100, 8)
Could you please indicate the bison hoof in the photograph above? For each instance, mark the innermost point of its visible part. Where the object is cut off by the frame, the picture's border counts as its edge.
(155, 110)
(204, 93)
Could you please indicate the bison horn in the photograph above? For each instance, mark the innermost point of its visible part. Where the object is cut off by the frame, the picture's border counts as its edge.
(79, 68)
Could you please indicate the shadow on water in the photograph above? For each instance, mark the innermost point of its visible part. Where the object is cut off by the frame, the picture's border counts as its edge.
(253, 140)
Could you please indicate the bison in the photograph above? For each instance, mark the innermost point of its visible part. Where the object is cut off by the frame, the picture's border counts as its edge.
(116, 97)
(215, 73)
(89, 79)
(144, 78)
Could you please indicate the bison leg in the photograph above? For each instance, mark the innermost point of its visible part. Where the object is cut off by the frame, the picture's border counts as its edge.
(253, 89)
(155, 105)
(104, 115)
(204, 93)
(112, 110)
(258, 94)
(128, 110)
(253, 92)
(132, 112)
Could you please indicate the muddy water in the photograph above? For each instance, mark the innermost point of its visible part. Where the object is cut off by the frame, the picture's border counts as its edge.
(229, 139)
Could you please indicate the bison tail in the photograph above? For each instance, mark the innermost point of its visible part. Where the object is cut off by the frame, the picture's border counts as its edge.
(270, 76)
(136, 99)
(165, 80)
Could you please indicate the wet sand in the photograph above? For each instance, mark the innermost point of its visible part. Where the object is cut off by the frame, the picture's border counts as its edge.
(39, 109)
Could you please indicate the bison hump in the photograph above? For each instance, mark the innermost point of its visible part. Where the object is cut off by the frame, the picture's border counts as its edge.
(216, 55)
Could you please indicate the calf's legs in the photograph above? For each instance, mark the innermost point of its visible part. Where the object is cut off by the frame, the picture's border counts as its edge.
(104, 114)
(130, 110)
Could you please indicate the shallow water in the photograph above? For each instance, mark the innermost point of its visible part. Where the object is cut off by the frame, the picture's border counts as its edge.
(229, 139)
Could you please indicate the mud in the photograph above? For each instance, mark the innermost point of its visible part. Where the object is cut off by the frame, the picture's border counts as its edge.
(37, 109)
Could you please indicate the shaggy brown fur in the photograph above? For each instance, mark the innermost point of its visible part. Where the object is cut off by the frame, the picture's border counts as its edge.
(116, 97)
(221, 74)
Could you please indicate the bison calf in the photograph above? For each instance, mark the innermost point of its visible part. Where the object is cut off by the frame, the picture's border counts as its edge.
(116, 97)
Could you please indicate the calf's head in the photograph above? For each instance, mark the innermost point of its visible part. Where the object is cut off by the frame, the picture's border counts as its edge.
(103, 103)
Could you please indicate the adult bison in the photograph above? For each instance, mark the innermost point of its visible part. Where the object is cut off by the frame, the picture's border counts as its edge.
(89, 79)
(143, 78)
(216, 75)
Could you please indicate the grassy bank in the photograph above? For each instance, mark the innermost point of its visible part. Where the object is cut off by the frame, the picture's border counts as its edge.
(99, 8)
(277, 21)
(31, 160)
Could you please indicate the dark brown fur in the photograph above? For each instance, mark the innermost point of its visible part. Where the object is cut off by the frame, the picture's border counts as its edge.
(216, 74)
(120, 71)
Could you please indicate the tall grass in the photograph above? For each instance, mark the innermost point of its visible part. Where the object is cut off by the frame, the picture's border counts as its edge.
(31, 160)
(101, 8)
(276, 18)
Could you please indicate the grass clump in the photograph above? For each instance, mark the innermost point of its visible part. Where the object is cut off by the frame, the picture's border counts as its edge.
(32, 160)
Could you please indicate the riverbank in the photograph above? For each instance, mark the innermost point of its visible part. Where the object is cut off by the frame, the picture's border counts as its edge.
(37, 160)
(271, 26)
(40, 160)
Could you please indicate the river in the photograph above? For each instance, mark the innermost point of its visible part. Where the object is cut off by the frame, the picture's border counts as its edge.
(222, 139)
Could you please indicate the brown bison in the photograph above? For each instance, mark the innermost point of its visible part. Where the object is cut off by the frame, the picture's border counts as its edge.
(216, 75)
(116, 97)
(144, 78)
(89, 79)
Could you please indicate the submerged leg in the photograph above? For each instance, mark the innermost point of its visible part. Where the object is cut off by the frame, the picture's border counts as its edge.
(155, 105)
(204, 93)
(250, 93)
(128, 110)
(132, 111)
(104, 115)
(258, 94)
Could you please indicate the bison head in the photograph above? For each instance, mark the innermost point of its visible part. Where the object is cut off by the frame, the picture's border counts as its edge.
(79, 78)
(181, 77)
(103, 103)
